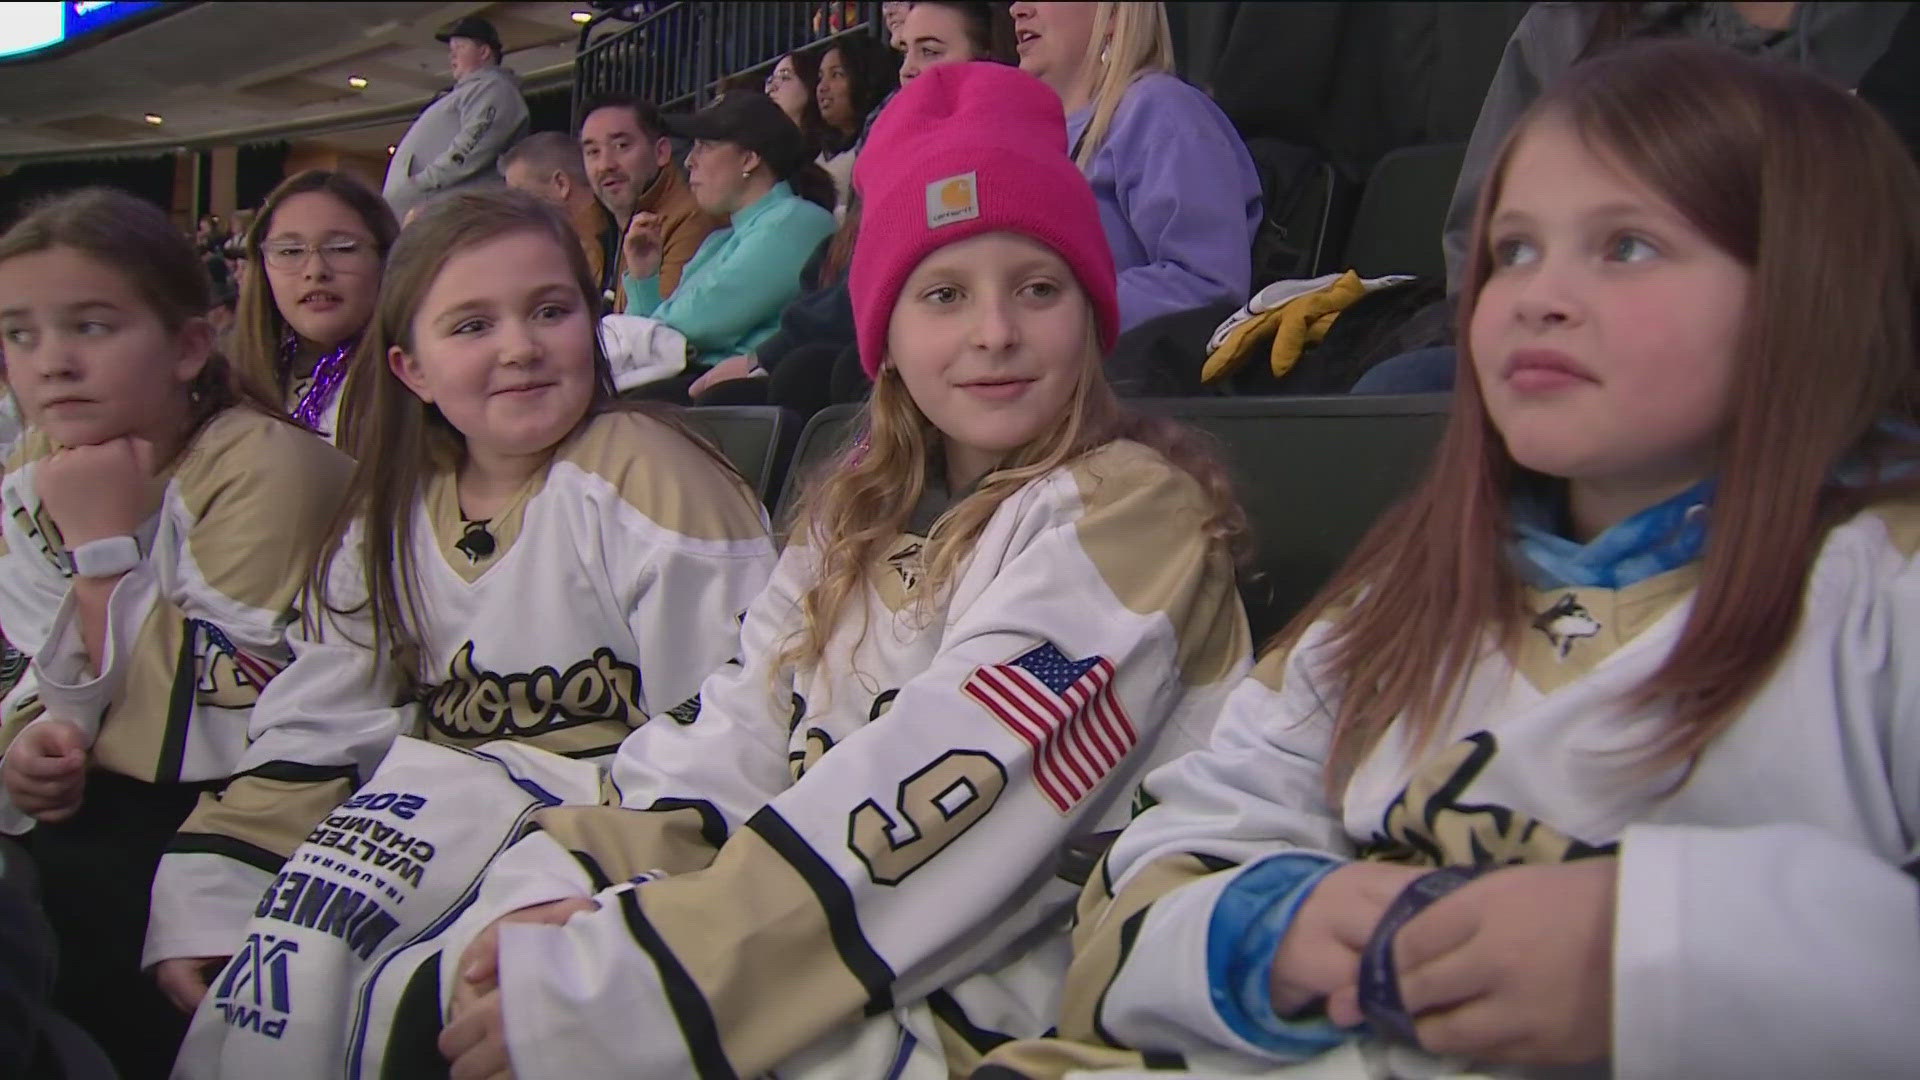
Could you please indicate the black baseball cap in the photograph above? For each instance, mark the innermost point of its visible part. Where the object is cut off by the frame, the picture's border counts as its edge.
(749, 119)
(474, 28)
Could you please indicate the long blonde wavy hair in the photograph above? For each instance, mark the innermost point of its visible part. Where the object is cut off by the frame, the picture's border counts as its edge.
(859, 504)
(1129, 40)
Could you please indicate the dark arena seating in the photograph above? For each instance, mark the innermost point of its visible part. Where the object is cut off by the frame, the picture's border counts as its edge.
(1323, 94)
(1312, 472)
(1401, 212)
(758, 440)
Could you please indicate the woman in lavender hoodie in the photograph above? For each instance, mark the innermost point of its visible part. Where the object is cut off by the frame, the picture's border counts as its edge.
(1178, 194)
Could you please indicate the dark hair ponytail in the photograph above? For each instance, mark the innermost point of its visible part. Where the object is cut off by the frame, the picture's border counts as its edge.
(840, 245)
(812, 183)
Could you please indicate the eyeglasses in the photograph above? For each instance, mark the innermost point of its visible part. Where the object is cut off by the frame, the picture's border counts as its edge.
(285, 256)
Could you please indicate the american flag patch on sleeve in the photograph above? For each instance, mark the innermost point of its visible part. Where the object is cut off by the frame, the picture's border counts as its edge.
(1064, 709)
(257, 671)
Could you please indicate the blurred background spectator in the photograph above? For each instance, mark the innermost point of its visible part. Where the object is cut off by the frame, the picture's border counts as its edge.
(455, 141)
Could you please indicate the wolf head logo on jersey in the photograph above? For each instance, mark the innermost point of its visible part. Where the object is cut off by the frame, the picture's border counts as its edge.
(906, 563)
(1565, 622)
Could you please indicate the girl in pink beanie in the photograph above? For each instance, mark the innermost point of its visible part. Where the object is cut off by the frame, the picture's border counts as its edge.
(858, 857)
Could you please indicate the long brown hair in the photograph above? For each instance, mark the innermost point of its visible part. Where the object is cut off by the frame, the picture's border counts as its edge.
(840, 244)
(134, 237)
(806, 68)
(403, 442)
(812, 182)
(873, 72)
(852, 510)
(258, 327)
(1815, 193)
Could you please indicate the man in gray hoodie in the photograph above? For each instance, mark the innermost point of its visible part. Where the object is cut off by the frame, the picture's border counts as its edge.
(457, 139)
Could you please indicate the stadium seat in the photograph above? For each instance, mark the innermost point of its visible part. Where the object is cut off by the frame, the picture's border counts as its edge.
(78, 1055)
(757, 439)
(825, 435)
(1301, 197)
(51, 1044)
(16, 867)
(1313, 472)
(1396, 228)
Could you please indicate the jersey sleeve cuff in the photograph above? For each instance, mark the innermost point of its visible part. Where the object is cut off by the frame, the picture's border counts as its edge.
(1250, 918)
(534, 871)
(200, 905)
(67, 689)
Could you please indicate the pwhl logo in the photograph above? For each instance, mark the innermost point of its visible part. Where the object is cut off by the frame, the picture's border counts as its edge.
(252, 994)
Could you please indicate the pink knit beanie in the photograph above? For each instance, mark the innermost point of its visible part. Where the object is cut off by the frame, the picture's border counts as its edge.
(966, 149)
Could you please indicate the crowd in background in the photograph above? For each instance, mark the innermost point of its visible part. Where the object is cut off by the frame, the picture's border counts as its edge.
(352, 550)
(767, 320)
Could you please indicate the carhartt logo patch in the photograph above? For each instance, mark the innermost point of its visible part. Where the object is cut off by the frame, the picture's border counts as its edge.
(955, 198)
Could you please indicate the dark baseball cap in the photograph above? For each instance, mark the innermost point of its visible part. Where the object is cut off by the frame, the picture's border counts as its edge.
(749, 119)
(474, 28)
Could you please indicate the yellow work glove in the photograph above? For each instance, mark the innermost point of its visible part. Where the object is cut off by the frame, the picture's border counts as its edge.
(1294, 323)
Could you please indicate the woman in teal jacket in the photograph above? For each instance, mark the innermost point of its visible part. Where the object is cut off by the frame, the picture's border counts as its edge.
(751, 165)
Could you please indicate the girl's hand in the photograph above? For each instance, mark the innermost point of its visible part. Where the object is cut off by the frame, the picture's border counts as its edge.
(95, 492)
(475, 1038)
(1320, 954)
(45, 770)
(733, 367)
(184, 979)
(1515, 968)
(480, 963)
(476, 1043)
(643, 245)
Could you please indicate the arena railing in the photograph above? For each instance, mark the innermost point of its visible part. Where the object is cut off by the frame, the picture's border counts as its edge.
(679, 55)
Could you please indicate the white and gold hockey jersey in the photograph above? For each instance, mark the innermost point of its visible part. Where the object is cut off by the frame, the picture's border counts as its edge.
(866, 868)
(198, 628)
(1768, 913)
(606, 590)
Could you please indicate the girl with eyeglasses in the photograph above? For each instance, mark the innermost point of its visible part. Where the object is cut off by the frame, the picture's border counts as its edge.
(320, 241)
(791, 86)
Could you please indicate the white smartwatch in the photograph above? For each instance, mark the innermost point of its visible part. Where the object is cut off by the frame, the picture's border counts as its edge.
(107, 557)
